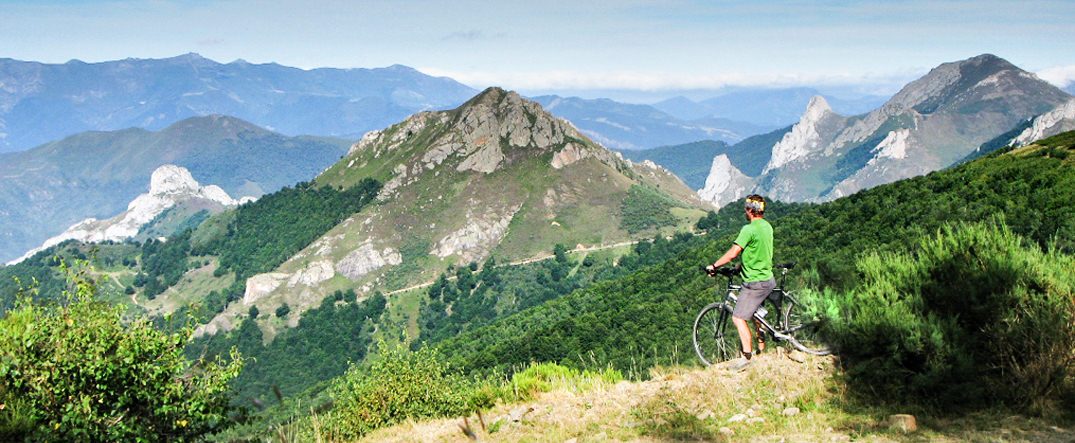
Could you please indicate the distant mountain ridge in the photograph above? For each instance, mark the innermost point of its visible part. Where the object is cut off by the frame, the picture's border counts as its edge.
(763, 107)
(625, 126)
(41, 102)
(96, 174)
(933, 122)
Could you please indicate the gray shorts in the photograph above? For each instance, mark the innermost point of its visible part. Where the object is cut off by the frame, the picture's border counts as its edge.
(751, 297)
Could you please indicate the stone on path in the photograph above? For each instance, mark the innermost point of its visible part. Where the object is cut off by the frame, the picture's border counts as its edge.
(903, 422)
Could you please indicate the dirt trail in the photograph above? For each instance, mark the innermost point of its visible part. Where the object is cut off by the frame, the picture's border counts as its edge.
(716, 404)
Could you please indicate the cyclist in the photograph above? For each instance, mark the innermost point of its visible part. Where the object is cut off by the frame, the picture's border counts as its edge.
(755, 242)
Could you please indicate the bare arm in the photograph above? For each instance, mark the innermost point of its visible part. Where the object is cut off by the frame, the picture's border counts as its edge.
(732, 253)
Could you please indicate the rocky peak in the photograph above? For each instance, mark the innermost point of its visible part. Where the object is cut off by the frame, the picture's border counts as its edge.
(945, 84)
(816, 109)
(725, 183)
(169, 185)
(804, 138)
(172, 179)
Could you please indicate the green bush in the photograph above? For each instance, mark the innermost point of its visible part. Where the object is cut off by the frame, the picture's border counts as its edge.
(975, 316)
(399, 384)
(79, 371)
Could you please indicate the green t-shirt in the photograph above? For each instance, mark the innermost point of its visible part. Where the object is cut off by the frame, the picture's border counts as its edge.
(756, 239)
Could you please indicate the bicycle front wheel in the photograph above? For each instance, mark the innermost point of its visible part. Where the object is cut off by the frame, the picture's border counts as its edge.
(715, 336)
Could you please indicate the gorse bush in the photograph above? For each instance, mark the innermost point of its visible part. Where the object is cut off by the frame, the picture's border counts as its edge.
(79, 372)
(975, 316)
(399, 384)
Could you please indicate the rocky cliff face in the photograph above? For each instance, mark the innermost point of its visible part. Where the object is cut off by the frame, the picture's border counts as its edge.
(169, 186)
(725, 183)
(805, 137)
(1061, 119)
(928, 125)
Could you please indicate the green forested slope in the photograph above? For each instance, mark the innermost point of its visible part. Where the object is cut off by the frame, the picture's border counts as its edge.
(645, 318)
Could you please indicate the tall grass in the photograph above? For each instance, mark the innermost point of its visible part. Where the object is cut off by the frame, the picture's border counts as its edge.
(975, 316)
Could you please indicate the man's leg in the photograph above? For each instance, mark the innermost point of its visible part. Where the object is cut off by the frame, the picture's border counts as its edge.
(744, 334)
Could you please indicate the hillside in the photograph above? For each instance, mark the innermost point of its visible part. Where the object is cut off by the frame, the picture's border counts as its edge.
(96, 174)
(497, 176)
(42, 102)
(1031, 189)
(932, 123)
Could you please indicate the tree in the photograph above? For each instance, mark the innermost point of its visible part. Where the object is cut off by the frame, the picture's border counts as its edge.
(253, 312)
(282, 311)
(128, 381)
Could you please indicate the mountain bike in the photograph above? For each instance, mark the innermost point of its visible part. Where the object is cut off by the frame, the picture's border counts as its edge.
(716, 338)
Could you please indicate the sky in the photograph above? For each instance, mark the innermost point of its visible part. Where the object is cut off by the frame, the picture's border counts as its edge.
(577, 45)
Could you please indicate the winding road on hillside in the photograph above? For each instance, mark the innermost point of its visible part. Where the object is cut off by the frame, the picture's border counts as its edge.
(535, 259)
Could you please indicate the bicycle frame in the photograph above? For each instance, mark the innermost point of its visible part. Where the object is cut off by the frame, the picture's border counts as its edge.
(779, 330)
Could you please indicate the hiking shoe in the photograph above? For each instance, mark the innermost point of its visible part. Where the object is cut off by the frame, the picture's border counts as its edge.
(738, 365)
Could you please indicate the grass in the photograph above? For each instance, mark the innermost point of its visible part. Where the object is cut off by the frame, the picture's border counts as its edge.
(192, 287)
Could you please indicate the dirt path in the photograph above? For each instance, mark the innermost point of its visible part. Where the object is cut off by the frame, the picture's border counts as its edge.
(774, 399)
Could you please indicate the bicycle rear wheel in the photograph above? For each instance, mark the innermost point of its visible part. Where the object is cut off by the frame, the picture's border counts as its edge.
(715, 336)
(802, 330)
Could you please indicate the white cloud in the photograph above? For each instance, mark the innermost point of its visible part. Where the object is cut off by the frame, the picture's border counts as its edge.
(1061, 76)
(643, 81)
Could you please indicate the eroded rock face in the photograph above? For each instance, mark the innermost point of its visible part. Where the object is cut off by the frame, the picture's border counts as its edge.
(569, 155)
(725, 183)
(1048, 124)
(261, 285)
(474, 241)
(804, 138)
(312, 274)
(365, 259)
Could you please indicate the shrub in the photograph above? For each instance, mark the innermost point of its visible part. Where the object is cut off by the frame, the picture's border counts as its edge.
(81, 372)
(975, 316)
(399, 384)
(283, 310)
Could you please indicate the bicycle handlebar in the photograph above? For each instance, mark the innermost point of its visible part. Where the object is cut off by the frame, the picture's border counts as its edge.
(723, 270)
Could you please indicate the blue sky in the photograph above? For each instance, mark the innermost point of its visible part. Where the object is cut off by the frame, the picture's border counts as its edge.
(565, 45)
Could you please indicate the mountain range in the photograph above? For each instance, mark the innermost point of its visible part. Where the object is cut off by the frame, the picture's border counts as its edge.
(96, 174)
(770, 108)
(42, 102)
(931, 123)
(625, 126)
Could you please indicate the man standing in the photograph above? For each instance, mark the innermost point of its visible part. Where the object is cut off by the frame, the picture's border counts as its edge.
(755, 241)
